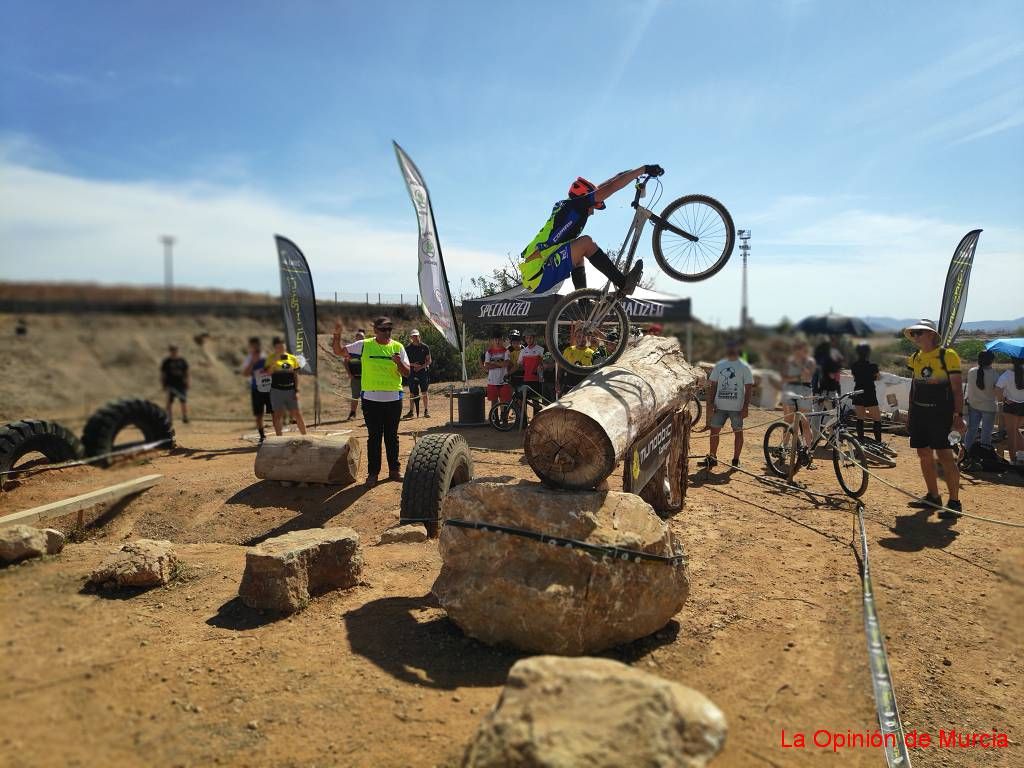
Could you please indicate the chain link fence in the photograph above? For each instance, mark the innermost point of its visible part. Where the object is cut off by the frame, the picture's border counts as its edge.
(374, 299)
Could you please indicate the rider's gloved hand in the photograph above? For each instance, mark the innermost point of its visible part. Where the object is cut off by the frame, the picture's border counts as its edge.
(653, 170)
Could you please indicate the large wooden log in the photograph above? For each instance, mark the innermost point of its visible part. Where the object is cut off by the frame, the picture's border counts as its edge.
(577, 441)
(327, 459)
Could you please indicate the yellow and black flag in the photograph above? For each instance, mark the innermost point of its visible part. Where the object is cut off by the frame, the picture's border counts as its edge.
(954, 296)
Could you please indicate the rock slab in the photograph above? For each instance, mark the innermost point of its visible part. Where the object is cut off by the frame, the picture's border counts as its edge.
(139, 563)
(282, 574)
(20, 542)
(404, 534)
(504, 589)
(556, 711)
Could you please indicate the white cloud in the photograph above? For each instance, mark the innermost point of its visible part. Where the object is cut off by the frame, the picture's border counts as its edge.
(56, 226)
(809, 253)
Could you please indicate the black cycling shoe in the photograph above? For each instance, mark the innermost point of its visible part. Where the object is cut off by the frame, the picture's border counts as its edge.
(631, 280)
(709, 462)
(954, 505)
(926, 502)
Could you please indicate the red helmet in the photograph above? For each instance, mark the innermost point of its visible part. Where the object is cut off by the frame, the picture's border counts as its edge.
(582, 187)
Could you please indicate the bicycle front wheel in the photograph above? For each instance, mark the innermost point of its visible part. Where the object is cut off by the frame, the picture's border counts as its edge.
(703, 218)
(779, 447)
(504, 416)
(848, 460)
(592, 325)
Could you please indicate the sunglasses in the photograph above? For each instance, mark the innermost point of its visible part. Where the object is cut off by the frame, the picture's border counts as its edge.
(918, 333)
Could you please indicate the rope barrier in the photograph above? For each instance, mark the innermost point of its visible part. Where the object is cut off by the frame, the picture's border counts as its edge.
(604, 551)
(888, 712)
(781, 484)
(89, 460)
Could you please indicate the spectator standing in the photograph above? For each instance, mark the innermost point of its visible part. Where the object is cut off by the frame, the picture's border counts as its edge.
(496, 363)
(283, 367)
(578, 353)
(353, 365)
(797, 374)
(936, 407)
(1011, 391)
(384, 363)
(730, 386)
(981, 401)
(830, 362)
(515, 351)
(419, 378)
(175, 380)
(259, 384)
(531, 362)
(865, 374)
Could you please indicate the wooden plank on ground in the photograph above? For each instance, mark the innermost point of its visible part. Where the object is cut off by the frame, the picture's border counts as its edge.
(76, 503)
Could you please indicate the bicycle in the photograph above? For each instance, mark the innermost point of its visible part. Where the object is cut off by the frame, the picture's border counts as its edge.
(692, 240)
(504, 416)
(785, 451)
(877, 452)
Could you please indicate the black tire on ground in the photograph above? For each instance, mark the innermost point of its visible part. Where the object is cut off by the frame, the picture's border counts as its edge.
(55, 442)
(437, 463)
(704, 217)
(103, 426)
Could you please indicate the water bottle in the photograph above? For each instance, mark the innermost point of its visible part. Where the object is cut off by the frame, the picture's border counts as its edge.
(954, 439)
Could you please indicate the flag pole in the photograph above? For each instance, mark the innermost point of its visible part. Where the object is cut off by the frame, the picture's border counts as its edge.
(465, 378)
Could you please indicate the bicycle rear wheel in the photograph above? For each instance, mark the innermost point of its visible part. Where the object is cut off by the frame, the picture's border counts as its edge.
(593, 319)
(779, 448)
(696, 410)
(848, 460)
(702, 217)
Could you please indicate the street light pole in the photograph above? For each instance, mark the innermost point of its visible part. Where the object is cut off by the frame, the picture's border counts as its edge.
(744, 236)
(168, 243)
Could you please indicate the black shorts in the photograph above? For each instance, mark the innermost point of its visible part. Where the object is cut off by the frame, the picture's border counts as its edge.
(867, 398)
(419, 381)
(260, 403)
(930, 426)
(177, 391)
(1012, 408)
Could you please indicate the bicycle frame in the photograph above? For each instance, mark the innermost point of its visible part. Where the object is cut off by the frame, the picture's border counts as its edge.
(824, 431)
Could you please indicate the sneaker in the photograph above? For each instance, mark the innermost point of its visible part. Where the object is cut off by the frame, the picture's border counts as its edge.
(953, 504)
(262, 437)
(350, 417)
(926, 502)
(371, 480)
(736, 461)
(804, 457)
(184, 419)
(426, 414)
(709, 462)
(630, 281)
(408, 415)
(395, 475)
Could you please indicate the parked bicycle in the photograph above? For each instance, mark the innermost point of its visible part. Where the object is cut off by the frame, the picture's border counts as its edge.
(786, 452)
(504, 416)
(693, 239)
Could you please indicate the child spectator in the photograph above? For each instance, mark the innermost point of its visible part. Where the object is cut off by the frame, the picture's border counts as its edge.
(259, 384)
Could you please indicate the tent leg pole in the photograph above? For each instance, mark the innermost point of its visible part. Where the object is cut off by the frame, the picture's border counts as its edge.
(465, 378)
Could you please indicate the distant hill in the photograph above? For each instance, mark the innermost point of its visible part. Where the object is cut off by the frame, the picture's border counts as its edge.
(985, 326)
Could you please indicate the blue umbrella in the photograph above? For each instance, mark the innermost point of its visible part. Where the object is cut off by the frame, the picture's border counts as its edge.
(1011, 347)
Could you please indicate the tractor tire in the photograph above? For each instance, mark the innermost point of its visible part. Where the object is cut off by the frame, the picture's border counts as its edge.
(103, 426)
(437, 463)
(55, 442)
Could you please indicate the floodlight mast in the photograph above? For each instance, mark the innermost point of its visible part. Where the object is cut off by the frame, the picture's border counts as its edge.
(168, 243)
(744, 236)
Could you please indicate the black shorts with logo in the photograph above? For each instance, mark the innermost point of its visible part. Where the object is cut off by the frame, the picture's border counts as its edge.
(261, 403)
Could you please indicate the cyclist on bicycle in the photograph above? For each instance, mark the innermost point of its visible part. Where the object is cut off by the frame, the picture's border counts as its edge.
(558, 250)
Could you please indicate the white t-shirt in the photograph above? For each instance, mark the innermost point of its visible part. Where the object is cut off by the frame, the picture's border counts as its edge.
(1007, 383)
(496, 375)
(732, 377)
(376, 395)
(982, 399)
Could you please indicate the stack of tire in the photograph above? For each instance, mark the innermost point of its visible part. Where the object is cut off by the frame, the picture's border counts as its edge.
(57, 443)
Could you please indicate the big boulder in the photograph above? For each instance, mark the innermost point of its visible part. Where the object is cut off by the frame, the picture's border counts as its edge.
(556, 711)
(139, 563)
(283, 573)
(537, 596)
(20, 542)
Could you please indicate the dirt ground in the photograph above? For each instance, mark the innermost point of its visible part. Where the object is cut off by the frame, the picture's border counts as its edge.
(377, 676)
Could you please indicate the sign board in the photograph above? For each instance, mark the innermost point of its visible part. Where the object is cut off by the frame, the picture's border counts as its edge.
(650, 452)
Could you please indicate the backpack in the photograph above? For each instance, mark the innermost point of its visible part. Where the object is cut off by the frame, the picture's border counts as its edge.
(984, 458)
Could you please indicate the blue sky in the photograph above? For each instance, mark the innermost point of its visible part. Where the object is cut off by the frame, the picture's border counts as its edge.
(858, 141)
